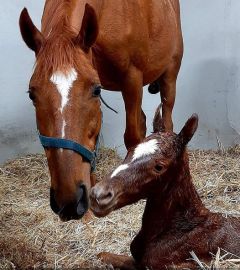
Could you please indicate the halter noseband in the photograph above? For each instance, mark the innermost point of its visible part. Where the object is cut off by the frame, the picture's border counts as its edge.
(90, 156)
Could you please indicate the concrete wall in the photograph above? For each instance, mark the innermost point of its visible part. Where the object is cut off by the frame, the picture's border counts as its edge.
(208, 82)
(17, 122)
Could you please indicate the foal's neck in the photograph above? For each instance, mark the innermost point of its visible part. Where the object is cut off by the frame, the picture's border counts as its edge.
(174, 206)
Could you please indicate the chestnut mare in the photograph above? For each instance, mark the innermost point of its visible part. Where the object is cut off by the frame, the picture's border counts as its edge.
(121, 45)
(175, 221)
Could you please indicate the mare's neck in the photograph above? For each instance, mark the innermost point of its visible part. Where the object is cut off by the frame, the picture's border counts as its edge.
(78, 12)
(175, 206)
(61, 12)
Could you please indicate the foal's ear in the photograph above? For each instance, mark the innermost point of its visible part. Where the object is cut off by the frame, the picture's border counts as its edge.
(158, 125)
(189, 129)
(30, 34)
(89, 29)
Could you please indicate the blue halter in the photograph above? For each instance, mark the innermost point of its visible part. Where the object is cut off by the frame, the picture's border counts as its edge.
(90, 156)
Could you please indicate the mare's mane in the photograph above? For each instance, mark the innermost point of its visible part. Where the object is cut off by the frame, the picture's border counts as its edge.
(58, 49)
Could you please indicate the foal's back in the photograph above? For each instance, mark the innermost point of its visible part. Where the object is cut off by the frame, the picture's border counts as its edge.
(225, 233)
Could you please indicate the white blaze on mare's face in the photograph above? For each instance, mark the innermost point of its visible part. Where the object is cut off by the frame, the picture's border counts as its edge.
(119, 169)
(64, 83)
(63, 128)
(145, 149)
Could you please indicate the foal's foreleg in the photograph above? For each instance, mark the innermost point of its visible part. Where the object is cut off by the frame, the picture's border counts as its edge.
(135, 118)
(118, 261)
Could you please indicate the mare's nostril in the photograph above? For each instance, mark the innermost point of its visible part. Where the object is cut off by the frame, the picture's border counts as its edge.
(53, 202)
(80, 192)
(74, 208)
(82, 201)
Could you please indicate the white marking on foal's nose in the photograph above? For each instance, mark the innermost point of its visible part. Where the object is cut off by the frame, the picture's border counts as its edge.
(64, 83)
(119, 169)
(145, 148)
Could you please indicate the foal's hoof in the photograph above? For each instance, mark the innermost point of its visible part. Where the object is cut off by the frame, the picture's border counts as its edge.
(108, 259)
(104, 257)
(122, 262)
(154, 87)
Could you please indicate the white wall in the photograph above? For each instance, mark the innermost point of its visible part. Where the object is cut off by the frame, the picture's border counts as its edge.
(17, 123)
(208, 83)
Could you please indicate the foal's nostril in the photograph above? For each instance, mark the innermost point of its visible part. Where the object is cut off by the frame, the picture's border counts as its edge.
(104, 198)
(108, 196)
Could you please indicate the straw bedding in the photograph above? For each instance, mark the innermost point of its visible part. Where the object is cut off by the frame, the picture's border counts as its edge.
(31, 236)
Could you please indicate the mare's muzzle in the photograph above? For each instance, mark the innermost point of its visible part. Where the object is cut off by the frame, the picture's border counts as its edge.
(72, 210)
(79, 206)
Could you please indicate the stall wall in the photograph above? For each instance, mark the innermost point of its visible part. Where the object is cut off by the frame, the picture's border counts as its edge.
(208, 83)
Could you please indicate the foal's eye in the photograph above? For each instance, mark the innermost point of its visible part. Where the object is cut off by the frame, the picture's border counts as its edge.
(97, 91)
(158, 168)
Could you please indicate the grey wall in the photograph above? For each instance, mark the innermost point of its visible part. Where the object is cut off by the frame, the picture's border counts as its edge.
(208, 82)
(17, 123)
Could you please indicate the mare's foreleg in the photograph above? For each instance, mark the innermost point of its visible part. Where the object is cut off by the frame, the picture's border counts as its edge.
(168, 94)
(135, 118)
(143, 127)
(167, 87)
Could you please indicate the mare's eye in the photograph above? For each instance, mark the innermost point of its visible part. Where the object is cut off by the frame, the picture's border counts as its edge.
(97, 90)
(31, 95)
(158, 168)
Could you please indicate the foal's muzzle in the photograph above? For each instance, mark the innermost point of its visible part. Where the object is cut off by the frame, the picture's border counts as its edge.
(74, 209)
(102, 199)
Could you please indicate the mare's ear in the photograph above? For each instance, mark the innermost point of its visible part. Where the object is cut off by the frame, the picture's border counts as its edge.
(89, 29)
(189, 129)
(30, 34)
(158, 125)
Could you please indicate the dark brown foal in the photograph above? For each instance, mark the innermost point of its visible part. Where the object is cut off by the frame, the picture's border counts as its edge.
(175, 221)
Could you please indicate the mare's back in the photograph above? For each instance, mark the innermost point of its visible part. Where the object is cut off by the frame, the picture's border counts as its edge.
(146, 33)
(124, 20)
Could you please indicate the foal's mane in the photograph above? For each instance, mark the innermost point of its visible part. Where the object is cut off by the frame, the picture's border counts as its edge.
(58, 49)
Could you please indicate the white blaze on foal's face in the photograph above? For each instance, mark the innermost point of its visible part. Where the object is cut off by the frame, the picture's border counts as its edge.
(64, 83)
(145, 149)
(119, 169)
